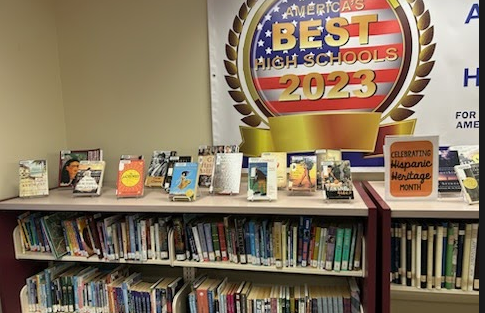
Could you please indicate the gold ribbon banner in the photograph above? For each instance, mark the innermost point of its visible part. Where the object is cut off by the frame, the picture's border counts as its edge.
(353, 131)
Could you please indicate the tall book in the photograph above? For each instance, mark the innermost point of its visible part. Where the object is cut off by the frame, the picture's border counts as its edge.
(303, 173)
(52, 223)
(129, 182)
(157, 169)
(448, 182)
(69, 162)
(226, 176)
(411, 166)
(468, 176)
(184, 184)
(281, 167)
(473, 256)
(262, 178)
(33, 178)
(464, 236)
(89, 178)
(206, 159)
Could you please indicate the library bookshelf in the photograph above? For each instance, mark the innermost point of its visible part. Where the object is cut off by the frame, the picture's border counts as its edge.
(401, 298)
(155, 200)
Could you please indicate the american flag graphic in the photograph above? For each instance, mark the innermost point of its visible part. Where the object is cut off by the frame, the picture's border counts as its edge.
(384, 35)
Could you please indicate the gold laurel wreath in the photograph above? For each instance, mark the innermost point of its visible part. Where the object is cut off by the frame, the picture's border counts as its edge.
(423, 68)
(399, 113)
(251, 117)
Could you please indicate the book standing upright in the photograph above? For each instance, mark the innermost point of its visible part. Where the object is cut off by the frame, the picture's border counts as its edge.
(33, 178)
(89, 178)
(262, 178)
(185, 180)
(226, 177)
(303, 173)
(130, 176)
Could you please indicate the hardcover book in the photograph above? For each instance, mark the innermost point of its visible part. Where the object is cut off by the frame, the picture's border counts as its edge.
(468, 176)
(303, 172)
(55, 233)
(130, 176)
(158, 168)
(411, 166)
(337, 180)
(89, 178)
(33, 178)
(69, 163)
(262, 178)
(281, 167)
(226, 176)
(184, 181)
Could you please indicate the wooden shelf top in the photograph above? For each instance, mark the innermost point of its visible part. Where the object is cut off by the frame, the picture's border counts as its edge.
(443, 207)
(156, 200)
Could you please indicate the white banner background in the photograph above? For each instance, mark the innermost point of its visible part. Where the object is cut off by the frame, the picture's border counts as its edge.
(456, 31)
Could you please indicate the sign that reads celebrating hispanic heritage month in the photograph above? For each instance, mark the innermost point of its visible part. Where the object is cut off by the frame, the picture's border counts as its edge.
(411, 167)
(301, 75)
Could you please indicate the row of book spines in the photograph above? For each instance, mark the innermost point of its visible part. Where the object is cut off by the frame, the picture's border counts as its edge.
(271, 242)
(69, 288)
(131, 237)
(219, 295)
(435, 255)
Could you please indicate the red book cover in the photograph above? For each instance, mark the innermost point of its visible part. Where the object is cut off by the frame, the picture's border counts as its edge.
(130, 177)
(222, 241)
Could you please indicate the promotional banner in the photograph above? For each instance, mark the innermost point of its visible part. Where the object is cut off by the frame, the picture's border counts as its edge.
(301, 75)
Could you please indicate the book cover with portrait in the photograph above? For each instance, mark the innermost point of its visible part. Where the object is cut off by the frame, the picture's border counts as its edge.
(89, 178)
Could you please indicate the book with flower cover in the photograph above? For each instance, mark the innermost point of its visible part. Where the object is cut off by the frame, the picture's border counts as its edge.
(184, 182)
(89, 178)
(468, 175)
(130, 176)
(33, 178)
(226, 176)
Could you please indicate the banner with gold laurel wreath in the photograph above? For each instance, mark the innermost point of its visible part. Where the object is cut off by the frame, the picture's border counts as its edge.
(301, 75)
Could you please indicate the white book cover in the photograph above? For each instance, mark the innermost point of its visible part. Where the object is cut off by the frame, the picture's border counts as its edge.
(411, 166)
(468, 176)
(89, 178)
(262, 178)
(226, 177)
(282, 167)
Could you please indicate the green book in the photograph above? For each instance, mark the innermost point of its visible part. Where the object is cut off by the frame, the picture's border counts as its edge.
(450, 246)
(339, 243)
(215, 241)
(347, 240)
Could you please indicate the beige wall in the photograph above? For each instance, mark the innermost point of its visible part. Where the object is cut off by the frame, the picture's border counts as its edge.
(32, 121)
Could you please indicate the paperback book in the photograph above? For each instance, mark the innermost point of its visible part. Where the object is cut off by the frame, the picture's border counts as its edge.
(226, 176)
(337, 180)
(303, 173)
(448, 183)
(206, 160)
(411, 166)
(468, 175)
(69, 163)
(281, 167)
(467, 153)
(33, 178)
(262, 178)
(184, 181)
(89, 178)
(171, 164)
(158, 168)
(130, 176)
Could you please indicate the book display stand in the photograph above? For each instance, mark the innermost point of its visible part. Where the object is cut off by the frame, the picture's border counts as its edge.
(252, 198)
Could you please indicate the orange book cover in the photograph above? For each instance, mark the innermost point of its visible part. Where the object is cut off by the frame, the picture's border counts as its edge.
(130, 181)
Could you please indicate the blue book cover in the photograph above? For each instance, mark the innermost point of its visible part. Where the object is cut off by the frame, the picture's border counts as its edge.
(184, 180)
